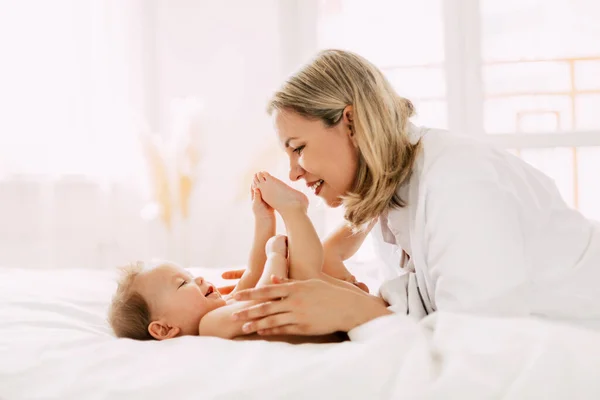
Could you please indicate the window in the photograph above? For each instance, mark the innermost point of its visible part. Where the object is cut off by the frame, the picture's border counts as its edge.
(541, 76)
(413, 63)
(524, 72)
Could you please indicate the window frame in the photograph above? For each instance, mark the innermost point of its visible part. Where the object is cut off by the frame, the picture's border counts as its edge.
(463, 65)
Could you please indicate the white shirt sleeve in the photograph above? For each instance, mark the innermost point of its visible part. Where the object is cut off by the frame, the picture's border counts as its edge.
(474, 246)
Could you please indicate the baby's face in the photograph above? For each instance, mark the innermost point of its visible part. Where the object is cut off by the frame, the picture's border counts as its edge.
(178, 298)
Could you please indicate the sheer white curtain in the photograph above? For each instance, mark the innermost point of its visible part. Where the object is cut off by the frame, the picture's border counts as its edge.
(72, 86)
(75, 96)
(81, 79)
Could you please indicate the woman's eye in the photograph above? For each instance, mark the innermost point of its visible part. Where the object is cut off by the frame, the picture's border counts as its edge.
(298, 150)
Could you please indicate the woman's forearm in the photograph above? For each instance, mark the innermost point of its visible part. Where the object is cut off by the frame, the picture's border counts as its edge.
(343, 243)
(333, 265)
(340, 246)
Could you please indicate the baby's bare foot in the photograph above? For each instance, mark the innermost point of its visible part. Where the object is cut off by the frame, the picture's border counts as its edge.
(277, 244)
(279, 195)
(262, 211)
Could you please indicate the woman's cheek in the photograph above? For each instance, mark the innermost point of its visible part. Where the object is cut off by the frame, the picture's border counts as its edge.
(302, 162)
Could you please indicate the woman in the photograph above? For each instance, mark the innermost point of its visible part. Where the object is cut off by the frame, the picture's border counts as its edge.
(484, 231)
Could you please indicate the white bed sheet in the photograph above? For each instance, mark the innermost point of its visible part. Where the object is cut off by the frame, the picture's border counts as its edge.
(55, 344)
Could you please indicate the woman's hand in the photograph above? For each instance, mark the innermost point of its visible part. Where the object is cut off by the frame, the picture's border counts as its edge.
(237, 274)
(311, 307)
(233, 274)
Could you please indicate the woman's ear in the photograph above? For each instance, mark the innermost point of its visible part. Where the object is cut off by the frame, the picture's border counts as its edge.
(348, 115)
(348, 120)
(160, 330)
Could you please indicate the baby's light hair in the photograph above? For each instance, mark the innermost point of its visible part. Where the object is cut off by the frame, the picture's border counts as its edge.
(129, 313)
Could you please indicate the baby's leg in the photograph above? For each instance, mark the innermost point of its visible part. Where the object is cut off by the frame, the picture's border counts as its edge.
(277, 263)
(305, 256)
(305, 248)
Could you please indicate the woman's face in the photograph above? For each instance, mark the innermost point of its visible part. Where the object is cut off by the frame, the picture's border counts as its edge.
(326, 158)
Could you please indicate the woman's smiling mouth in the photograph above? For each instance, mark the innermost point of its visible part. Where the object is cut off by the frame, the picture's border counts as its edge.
(316, 186)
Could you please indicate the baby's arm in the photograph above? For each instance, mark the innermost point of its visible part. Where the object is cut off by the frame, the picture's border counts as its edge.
(219, 322)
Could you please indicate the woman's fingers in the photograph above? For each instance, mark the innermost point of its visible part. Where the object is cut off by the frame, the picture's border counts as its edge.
(234, 274)
(265, 293)
(362, 287)
(270, 322)
(226, 289)
(260, 310)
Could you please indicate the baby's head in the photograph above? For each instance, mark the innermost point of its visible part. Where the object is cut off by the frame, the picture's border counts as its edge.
(160, 302)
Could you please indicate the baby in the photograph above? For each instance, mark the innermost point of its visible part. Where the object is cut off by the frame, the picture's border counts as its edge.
(166, 301)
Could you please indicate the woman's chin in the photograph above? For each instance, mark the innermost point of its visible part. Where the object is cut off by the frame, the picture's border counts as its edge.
(333, 203)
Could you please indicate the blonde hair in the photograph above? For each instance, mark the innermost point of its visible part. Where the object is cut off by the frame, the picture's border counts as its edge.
(322, 89)
(129, 313)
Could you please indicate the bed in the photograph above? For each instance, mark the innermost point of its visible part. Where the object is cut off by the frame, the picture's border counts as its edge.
(55, 344)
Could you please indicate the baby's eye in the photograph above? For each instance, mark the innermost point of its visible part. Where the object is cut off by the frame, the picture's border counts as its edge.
(182, 283)
(298, 150)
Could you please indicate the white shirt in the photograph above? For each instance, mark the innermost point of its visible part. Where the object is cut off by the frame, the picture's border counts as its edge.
(489, 233)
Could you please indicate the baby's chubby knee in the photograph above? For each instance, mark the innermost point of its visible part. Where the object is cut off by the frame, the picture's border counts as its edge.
(277, 245)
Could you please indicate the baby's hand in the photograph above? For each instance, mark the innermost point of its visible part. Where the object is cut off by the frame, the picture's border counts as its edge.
(260, 209)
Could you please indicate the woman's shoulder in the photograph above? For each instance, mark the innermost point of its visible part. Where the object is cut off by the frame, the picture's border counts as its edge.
(449, 157)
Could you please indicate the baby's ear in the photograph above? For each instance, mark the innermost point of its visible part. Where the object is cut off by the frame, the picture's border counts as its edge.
(160, 330)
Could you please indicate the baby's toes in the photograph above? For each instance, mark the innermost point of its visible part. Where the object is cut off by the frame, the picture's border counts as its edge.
(264, 176)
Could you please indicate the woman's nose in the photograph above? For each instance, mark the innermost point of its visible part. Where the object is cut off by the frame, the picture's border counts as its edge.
(296, 171)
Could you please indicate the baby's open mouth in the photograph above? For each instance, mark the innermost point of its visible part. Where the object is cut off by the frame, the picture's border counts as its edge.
(210, 291)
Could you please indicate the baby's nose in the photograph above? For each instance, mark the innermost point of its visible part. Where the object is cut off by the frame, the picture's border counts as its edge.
(199, 280)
